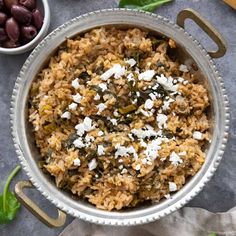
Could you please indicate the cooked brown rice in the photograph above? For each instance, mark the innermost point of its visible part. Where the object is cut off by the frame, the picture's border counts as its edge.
(117, 120)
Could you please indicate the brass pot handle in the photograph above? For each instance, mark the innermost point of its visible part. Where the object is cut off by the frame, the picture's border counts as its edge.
(36, 210)
(205, 26)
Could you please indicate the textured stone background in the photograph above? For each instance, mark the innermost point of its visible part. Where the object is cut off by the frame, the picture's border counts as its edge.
(220, 192)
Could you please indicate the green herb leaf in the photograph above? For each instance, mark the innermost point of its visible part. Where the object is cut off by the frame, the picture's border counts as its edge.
(145, 5)
(9, 206)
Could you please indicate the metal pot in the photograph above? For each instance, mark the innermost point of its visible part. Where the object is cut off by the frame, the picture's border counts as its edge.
(190, 53)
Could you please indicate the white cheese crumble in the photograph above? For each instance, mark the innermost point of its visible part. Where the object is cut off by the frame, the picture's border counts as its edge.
(75, 83)
(161, 121)
(152, 96)
(197, 135)
(97, 97)
(125, 151)
(148, 104)
(142, 134)
(73, 106)
(172, 187)
(131, 62)
(180, 79)
(100, 150)
(113, 121)
(167, 83)
(92, 164)
(130, 77)
(166, 104)
(85, 126)
(117, 70)
(66, 115)
(151, 151)
(101, 107)
(175, 159)
(77, 98)
(146, 75)
(183, 68)
(78, 143)
(103, 87)
(185, 82)
(77, 162)
(115, 113)
(167, 196)
(100, 133)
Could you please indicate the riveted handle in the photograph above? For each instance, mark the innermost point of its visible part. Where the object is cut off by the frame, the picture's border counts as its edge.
(36, 210)
(206, 27)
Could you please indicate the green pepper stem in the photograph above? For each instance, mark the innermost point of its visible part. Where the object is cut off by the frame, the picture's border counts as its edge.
(6, 187)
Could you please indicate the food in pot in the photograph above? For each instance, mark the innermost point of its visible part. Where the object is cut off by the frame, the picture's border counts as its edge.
(118, 120)
(20, 22)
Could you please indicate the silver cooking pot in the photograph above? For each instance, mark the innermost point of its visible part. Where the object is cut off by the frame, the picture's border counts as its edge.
(190, 52)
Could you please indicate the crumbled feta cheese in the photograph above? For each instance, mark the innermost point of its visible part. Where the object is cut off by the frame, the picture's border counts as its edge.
(161, 120)
(148, 104)
(172, 187)
(166, 104)
(117, 70)
(124, 151)
(146, 113)
(66, 115)
(180, 79)
(124, 171)
(147, 75)
(131, 62)
(131, 137)
(97, 97)
(151, 151)
(142, 134)
(108, 74)
(89, 138)
(167, 83)
(138, 94)
(77, 162)
(142, 143)
(130, 77)
(78, 143)
(197, 135)
(75, 83)
(96, 176)
(183, 68)
(101, 107)
(77, 98)
(103, 86)
(73, 106)
(100, 133)
(144, 161)
(185, 82)
(175, 159)
(152, 96)
(85, 126)
(100, 150)
(138, 167)
(92, 164)
(113, 121)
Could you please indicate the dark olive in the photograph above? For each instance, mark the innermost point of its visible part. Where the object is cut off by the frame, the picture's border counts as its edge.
(11, 44)
(30, 4)
(37, 18)
(21, 14)
(10, 3)
(28, 32)
(3, 18)
(3, 35)
(12, 29)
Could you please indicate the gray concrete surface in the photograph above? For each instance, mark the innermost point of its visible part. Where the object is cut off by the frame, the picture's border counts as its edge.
(220, 192)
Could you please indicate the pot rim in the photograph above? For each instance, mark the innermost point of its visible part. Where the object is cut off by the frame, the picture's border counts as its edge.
(113, 218)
